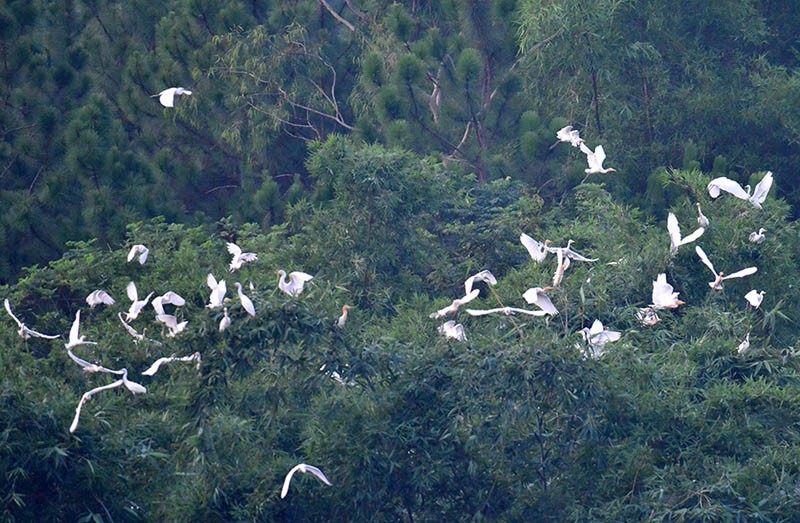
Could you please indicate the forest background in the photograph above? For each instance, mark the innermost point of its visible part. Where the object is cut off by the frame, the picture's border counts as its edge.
(392, 150)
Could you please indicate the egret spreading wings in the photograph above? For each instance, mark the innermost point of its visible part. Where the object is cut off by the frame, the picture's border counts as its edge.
(675, 239)
(721, 276)
(294, 285)
(24, 331)
(304, 468)
(239, 257)
(167, 96)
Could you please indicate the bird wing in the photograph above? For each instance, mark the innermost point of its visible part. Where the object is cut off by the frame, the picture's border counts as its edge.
(152, 369)
(596, 328)
(514, 310)
(703, 258)
(211, 281)
(692, 237)
(674, 231)
(536, 296)
(762, 189)
(8, 309)
(585, 150)
(469, 296)
(288, 479)
(564, 134)
(173, 299)
(318, 473)
(483, 312)
(740, 274)
(234, 249)
(40, 335)
(727, 185)
(247, 303)
(536, 249)
(167, 97)
(76, 325)
(133, 295)
(143, 256)
(86, 397)
(133, 332)
(301, 276)
(132, 386)
(133, 252)
(577, 257)
(599, 155)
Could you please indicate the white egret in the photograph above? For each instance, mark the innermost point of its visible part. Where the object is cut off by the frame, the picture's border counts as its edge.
(247, 303)
(537, 296)
(536, 249)
(568, 135)
(744, 346)
(720, 277)
(455, 304)
(133, 332)
(161, 361)
(141, 250)
(225, 322)
(99, 297)
(239, 257)
(74, 339)
(135, 388)
(758, 237)
(726, 184)
(754, 298)
(663, 295)
(596, 337)
(648, 316)
(675, 240)
(702, 219)
(567, 252)
(302, 467)
(508, 311)
(24, 332)
(343, 318)
(167, 96)
(761, 190)
(168, 298)
(218, 291)
(90, 367)
(172, 324)
(451, 329)
(136, 304)
(595, 160)
(485, 276)
(563, 265)
(294, 285)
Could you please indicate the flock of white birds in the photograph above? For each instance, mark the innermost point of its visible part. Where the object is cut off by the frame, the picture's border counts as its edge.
(663, 296)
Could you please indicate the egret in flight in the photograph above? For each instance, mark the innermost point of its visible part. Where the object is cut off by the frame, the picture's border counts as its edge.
(567, 252)
(536, 249)
(304, 468)
(239, 257)
(568, 135)
(537, 296)
(168, 298)
(294, 285)
(74, 339)
(754, 298)
(99, 297)
(758, 237)
(24, 332)
(729, 186)
(720, 277)
(136, 304)
(161, 361)
(663, 295)
(172, 324)
(485, 276)
(141, 250)
(595, 160)
(596, 337)
(508, 311)
(135, 388)
(167, 96)
(451, 329)
(675, 239)
(218, 290)
(455, 304)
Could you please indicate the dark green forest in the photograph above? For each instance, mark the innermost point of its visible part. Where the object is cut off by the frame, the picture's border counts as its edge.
(392, 150)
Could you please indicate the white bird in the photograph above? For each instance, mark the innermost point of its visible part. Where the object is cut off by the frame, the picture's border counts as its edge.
(663, 295)
(141, 250)
(135, 388)
(720, 277)
(168, 298)
(247, 303)
(451, 329)
(537, 296)
(485, 276)
(758, 237)
(754, 298)
(726, 184)
(561, 268)
(675, 240)
(302, 467)
(225, 322)
(99, 297)
(24, 332)
(508, 311)
(536, 249)
(218, 291)
(167, 96)
(567, 252)
(702, 219)
(239, 257)
(569, 135)
(596, 337)
(172, 324)
(343, 318)
(294, 285)
(74, 339)
(455, 304)
(133, 332)
(648, 316)
(136, 304)
(745, 344)
(595, 160)
(160, 361)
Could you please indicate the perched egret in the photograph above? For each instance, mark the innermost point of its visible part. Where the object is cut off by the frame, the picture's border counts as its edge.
(675, 239)
(755, 298)
(225, 322)
(172, 324)
(160, 361)
(596, 337)
(537, 296)
(24, 332)
(726, 184)
(135, 388)
(663, 295)
(451, 329)
(455, 304)
(343, 318)
(744, 346)
(136, 304)
(595, 160)
(218, 291)
(141, 250)
(758, 237)
(294, 285)
(702, 219)
(239, 257)
(648, 316)
(247, 303)
(74, 339)
(167, 96)
(508, 311)
(99, 297)
(568, 135)
(485, 276)
(537, 250)
(302, 467)
(720, 277)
